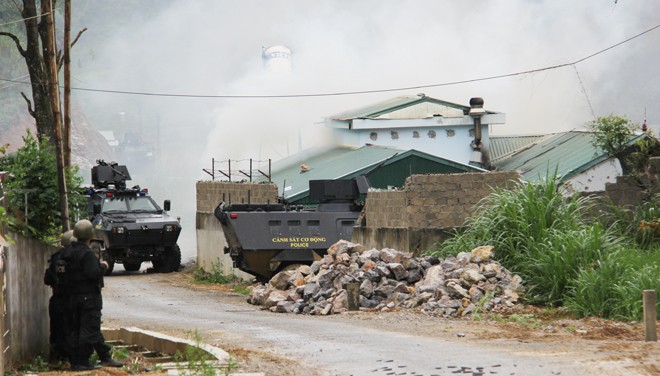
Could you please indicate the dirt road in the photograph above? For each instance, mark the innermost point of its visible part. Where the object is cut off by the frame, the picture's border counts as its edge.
(367, 343)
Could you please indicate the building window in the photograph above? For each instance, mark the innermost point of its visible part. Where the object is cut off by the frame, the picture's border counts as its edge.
(415, 134)
(373, 136)
(395, 135)
(431, 134)
(451, 133)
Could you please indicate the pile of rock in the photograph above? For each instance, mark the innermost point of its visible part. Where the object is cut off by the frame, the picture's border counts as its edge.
(390, 279)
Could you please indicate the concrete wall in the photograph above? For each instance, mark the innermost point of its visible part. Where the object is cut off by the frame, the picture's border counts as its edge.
(423, 213)
(210, 239)
(26, 299)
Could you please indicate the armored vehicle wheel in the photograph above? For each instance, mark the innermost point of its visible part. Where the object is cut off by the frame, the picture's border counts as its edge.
(132, 266)
(170, 261)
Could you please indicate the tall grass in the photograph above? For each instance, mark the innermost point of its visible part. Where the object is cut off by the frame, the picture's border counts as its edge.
(613, 287)
(562, 255)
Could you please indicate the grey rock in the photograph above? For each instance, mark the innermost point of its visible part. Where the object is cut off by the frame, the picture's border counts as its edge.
(398, 270)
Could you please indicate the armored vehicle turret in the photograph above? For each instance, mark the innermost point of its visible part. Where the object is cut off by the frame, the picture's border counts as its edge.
(129, 226)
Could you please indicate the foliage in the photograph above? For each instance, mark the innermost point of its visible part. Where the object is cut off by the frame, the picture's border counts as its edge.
(612, 134)
(613, 286)
(549, 241)
(33, 178)
(38, 364)
(216, 276)
(195, 360)
(641, 224)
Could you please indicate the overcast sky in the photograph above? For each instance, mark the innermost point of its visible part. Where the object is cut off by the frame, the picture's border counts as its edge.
(213, 47)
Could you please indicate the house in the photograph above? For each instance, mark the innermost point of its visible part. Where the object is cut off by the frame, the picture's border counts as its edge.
(579, 165)
(443, 129)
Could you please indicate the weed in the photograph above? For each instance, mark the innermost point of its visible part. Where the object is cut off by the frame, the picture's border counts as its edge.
(481, 308)
(216, 276)
(120, 353)
(135, 365)
(195, 361)
(241, 289)
(38, 364)
(525, 320)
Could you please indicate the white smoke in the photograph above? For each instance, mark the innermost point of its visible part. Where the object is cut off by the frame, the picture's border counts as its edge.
(214, 48)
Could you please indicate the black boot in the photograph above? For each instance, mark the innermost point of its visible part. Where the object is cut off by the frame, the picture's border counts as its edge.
(107, 361)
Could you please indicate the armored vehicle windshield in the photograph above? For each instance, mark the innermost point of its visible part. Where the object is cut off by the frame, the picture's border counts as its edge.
(129, 204)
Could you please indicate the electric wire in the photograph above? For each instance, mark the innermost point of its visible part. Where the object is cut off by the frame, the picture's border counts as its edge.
(343, 93)
(24, 19)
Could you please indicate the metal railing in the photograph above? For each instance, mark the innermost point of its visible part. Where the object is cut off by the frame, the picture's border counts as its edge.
(224, 169)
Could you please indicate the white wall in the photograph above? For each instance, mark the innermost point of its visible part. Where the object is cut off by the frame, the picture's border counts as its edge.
(595, 178)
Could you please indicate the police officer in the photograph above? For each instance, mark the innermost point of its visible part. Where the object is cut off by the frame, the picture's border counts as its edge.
(84, 283)
(58, 303)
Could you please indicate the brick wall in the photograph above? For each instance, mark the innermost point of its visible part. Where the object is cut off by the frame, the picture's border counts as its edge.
(433, 201)
(211, 193)
(626, 191)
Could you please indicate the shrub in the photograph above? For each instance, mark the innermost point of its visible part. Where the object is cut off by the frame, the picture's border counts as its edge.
(33, 189)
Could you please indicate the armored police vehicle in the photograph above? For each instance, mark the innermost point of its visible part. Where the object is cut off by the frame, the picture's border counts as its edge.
(263, 239)
(130, 227)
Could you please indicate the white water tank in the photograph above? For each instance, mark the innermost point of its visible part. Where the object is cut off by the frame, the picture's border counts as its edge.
(277, 59)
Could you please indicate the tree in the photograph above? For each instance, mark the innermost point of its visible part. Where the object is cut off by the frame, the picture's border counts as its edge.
(32, 190)
(613, 134)
(44, 61)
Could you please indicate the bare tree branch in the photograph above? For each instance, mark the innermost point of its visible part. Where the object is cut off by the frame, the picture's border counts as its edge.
(29, 103)
(60, 58)
(78, 36)
(18, 42)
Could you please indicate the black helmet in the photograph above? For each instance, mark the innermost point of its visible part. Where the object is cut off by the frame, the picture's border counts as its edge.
(83, 230)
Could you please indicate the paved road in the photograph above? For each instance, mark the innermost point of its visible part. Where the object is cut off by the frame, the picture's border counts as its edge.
(357, 344)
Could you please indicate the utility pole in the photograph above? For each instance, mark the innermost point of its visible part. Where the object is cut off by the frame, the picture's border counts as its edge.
(53, 89)
(67, 84)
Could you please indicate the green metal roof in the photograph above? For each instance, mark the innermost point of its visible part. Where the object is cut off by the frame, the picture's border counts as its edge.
(568, 153)
(500, 146)
(395, 104)
(346, 163)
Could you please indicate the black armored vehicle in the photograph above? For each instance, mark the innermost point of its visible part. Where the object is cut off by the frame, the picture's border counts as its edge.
(130, 228)
(264, 239)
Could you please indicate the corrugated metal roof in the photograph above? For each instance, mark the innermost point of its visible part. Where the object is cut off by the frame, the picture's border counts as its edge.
(341, 163)
(568, 153)
(406, 107)
(500, 146)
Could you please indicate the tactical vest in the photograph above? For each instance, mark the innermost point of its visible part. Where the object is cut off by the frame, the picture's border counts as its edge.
(73, 270)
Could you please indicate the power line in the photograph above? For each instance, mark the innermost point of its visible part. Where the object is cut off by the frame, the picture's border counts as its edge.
(451, 83)
(24, 19)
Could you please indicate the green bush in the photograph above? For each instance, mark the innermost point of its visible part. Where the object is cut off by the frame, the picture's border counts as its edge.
(33, 172)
